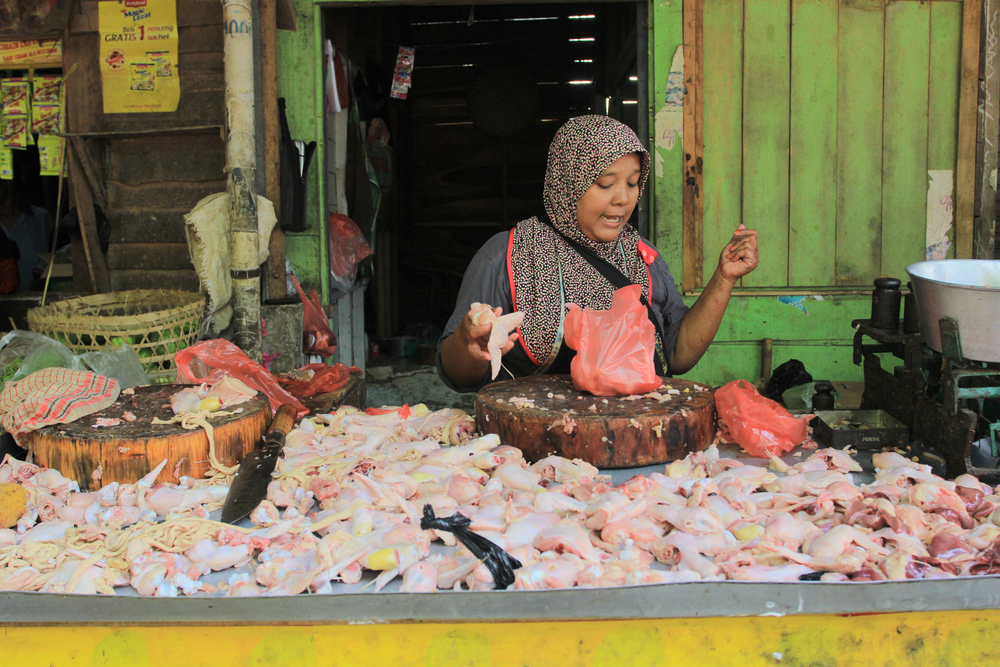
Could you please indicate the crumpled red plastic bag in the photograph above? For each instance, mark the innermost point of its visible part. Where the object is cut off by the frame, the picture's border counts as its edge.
(317, 338)
(759, 425)
(325, 379)
(614, 348)
(211, 360)
(347, 248)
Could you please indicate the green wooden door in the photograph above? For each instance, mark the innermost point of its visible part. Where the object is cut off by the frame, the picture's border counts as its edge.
(823, 121)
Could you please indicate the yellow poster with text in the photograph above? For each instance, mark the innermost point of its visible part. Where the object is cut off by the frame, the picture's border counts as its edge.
(139, 56)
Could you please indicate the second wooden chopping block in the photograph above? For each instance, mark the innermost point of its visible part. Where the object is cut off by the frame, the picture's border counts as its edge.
(545, 414)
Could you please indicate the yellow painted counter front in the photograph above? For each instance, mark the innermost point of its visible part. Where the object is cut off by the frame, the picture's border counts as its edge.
(959, 638)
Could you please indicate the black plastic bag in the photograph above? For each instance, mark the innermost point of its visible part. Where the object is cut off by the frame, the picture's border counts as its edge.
(500, 564)
(790, 374)
(296, 157)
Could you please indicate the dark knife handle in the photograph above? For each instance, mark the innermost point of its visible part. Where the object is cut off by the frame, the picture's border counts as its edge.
(284, 419)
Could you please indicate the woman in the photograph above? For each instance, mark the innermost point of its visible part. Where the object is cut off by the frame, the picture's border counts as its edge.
(596, 171)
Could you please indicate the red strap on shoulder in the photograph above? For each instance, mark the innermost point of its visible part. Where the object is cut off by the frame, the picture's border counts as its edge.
(647, 252)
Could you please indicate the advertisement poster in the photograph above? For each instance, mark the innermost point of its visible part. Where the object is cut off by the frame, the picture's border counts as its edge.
(36, 52)
(139, 56)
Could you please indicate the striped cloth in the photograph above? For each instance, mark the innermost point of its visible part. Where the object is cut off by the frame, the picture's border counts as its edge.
(54, 396)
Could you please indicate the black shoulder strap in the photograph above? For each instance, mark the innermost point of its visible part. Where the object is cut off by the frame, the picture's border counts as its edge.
(610, 272)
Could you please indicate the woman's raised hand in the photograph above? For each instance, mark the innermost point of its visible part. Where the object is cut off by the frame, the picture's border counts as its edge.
(739, 257)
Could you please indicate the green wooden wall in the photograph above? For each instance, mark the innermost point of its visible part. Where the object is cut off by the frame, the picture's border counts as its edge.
(299, 75)
(821, 121)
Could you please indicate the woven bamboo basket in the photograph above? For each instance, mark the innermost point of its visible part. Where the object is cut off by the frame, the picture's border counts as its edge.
(156, 323)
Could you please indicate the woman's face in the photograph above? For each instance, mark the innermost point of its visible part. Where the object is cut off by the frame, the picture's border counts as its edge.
(606, 206)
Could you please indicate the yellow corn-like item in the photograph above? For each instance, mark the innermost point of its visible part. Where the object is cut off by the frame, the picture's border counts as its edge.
(751, 531)
(13, 500)
(383, 559)
(419, 410)
(210, 405)
(422, 477)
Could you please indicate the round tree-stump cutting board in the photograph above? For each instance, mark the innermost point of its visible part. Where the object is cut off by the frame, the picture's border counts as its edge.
(129, 451)
(608, 432)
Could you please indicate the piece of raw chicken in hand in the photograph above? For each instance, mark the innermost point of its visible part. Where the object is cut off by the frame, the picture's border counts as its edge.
(483, 314)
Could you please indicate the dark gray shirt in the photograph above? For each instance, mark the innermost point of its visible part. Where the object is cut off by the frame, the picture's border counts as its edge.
(486, 281)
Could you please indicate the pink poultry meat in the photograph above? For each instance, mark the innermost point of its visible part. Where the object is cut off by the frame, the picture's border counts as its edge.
(502, 326)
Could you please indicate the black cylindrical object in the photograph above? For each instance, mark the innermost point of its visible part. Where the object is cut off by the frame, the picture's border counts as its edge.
(911, 317)
(823, 398)
(886, 299)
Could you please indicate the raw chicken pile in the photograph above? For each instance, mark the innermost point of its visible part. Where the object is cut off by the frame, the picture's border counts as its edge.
(349, 494)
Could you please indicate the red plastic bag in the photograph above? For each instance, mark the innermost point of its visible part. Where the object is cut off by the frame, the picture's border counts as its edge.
(211, 360)
(325, 379)
(317, 338)
(759, 425)
(614, 348)
(347, 248)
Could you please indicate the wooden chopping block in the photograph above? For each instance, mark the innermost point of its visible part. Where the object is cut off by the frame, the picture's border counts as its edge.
(129, 451)
(612, 432)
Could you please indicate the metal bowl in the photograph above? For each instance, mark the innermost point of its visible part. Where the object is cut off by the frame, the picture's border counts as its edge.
(967, 291)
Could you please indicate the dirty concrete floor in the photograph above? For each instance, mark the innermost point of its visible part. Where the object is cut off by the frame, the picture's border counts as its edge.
(399, 381)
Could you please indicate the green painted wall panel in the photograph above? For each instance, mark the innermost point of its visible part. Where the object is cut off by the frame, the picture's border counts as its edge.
(766, 77)
(668, 203)
(904, 129)
(299, 70)
(942, 102)
(303, 255)
(757, 317)
(812, 216)
(722, 179)
(725, 362)
(859, 142)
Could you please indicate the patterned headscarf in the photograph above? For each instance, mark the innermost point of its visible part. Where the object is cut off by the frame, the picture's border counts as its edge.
(580, 152)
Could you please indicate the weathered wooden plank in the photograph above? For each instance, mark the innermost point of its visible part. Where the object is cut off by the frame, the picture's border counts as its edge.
(274, 283)
(694, 144)
(904, 130)
(162, 194)
(859, 142)
(723, 123)
(989, 110)
(186, 281)
(201, 101)
(766, 80)
(304, 258)
(178, 158)
(812, 215)
(88, 225)
(148, 225)
(153, 256)
(965, 171)
(942, 96)
(667, 220)
(84, 16)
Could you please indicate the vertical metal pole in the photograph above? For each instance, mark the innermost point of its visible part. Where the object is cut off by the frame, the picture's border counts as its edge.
(241, 168)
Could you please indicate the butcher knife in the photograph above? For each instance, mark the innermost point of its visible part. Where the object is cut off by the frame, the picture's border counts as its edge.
(249, 486)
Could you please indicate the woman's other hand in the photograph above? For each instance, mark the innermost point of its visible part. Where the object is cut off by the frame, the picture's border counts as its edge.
(739, 257)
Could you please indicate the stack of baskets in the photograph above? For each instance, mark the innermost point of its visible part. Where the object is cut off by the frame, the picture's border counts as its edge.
(156, 323)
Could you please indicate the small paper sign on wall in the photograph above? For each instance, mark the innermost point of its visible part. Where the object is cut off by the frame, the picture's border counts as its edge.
(139, 56)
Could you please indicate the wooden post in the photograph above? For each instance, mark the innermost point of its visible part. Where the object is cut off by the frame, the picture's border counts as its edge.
(965, 172)
(274, 282)
(241, 165)
(694, 208)
(88, 225)
(989, 111)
